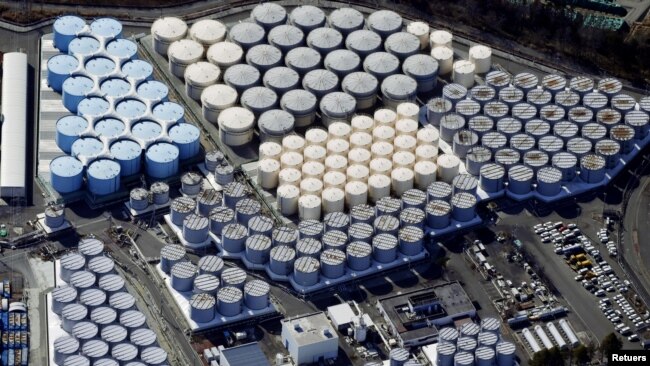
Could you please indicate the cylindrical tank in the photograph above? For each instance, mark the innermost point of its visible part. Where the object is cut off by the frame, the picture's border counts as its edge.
(537, 128)
(202, 307)
(381, 65)
(488, 339)
(65, 29)
(549, 181)
(494, 141)
(233, 277)
(610, 86)
(183, 53)
(54, 217)
(233, 238)
(337, 106)
(103, 177)
(398, 356)
(384, 248)
(448, 166)
(640, 122)
(346, 20)
(520, 179)
(111, 283)
(361, 231)
(498, 79)
(608, 149)
(242, 77)
(464, 183)
(105, 316)
(480, 124)
(335, 240)
(162, 160)
(363, 87)
(208, 32)
(221, 216)
(385, 23)
(438, 214)
(492, 177)
(410, 240)
(522, 143)
(62, 296)
(524, 111)
(463, 73)
(535, 159)
(260, 225)
(308, 247)
(359, 255)
(445, 58)
(198, 76)
(274, 124)
(325, 40)
(305, 271)
(320, 82)
(446, 352)
(229, 301)
(142, 338)
(423, 69)
(624, 135)
(256, 294)
(264, 57)
(402, 45)
(225, 54)
(269, 15)
(481, 57)
(247, 34)
(594, 132)
(539, 98)
(59, 68)
(181, 207)
(595, 101)
(71, 315)
(592, 168)
(210, 264)
(74, 90)
(286, 37)
(71, 263)
(281, 79)
(101, 266)
(363, 42)
(332, 263)
(463, 141)
(165, 31)
(282, 259)
(463, 206)
(196, 228)
(301, 104)
(84, 331)
(550, 144)
(623, 103)
(182, 276)
(566, 163)
(508, 157)
(84, 46)
(307, 17)
(421, 31)
(448, 335)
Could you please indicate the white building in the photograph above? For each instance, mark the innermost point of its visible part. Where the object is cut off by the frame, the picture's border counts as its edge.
(310, 338)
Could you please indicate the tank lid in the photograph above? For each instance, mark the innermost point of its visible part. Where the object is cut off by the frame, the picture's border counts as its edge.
(83, 46)
(78, 85)
(115, 87)
(71, 125)
(100, 66)
(137, 69)
(122, 48)
(109, 127)
(152, 90)
(162, 152)
(125, 150)
(62, 64)
(104, 169)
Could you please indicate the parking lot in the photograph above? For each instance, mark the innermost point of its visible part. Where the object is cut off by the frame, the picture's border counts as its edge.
(591, 257)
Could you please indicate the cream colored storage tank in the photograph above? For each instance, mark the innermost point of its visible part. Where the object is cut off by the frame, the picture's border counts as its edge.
(165, 31)
(183, 53)
(208, 32)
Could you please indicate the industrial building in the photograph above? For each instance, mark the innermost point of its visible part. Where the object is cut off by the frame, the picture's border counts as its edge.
(248, 354)
(13, 168)
(415, 317)
(310, 338)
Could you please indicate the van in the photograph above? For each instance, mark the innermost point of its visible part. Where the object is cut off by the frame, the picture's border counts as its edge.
(619, 326)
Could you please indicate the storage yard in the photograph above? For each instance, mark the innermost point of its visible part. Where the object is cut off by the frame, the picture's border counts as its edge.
(292, 184)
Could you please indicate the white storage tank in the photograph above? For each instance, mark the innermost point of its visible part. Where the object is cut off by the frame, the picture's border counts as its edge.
(402, 45)
(229, 301)
(498, 79)
(421, 31)
(208, 32)
(445, 58)
(337, 106)
(593, 132)
(540, 98)
(242, 77)
(410, 240)
(62, 296)
(301, 104)
(264, 57)
(346, 20)
(198, 76)
(256, 295)
(183, 53)
(236, 125)
(306, 271)
(320, 82)
(310, 229)
(259, 99)
(307, 17)
(281, 79)
(436, 109)
(165, 31)
(511, 95)
(202, 307)
(522, 143)
(381, 65)
(537, 128)
(463, 73)
(438, 214)
(65, 346)
(303, 59)
(363, 87)
(507, 157)
(363, 42)
(384, 22)
(610, 86)
(269, 15)
(216, 98)
(225, 54)
(286, 37)
(325, 40)
(288, 196)
(494, 141)
(424, 69)
(481, 57)
(247, 34)
(488, 339)
(71, 315)
(623, 103)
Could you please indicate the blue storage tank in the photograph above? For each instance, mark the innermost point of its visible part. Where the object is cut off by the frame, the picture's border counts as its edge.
(137, 70)
(100, 66)
(65, 30)
(59, 68)
(115, 87)
(128, 154)
(87, 147)
(68, 129)
(66, 174)
(186, 137)
(162, 160)
(123, 49)
(146, 130)
(153, 90)
(169, 112)
(93, 107)
(131, 108)
(103, 177)
(74, 90)
(84, 46)
(107, 28)
(109, 127)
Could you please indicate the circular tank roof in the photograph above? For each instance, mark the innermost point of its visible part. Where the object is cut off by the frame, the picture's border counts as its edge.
(83, 46)
(69, 25)
(106, 27)
(122, 48)
(307, 17)
(346, 19)
(78, 85)
(152, 90)
(66, 166)
(87, 146)
(146, 130)
(137, 69)
(104, 169)
(100, 66)
(162, 152)
(62, 64)
(115, 87)
(109, 127)
(93, 106)
(363, 40)
(131, 108)
(125, 150)
(168, 111)
(246, 34)
(184, 133)
(71, 125)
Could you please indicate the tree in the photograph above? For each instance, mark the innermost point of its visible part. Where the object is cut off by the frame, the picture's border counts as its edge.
(610, 344)
(581, 354)
(547, 357)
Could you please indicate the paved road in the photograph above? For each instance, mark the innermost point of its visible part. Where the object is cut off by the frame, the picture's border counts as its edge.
(636, 222)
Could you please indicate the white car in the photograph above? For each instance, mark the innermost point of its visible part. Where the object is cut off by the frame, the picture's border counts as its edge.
(633, 338)
(600, 293)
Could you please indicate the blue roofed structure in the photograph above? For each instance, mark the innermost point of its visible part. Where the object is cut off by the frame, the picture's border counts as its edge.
(249, 354)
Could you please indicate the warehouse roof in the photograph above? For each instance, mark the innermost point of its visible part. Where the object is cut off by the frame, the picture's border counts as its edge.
(249, 354)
